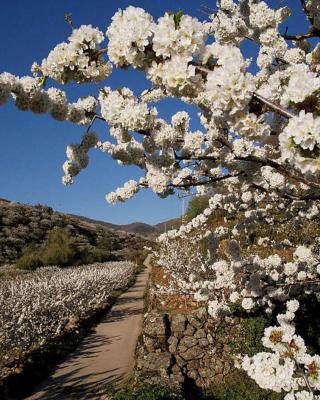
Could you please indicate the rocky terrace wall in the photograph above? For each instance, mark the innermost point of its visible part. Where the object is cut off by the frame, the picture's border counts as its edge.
(178, 348)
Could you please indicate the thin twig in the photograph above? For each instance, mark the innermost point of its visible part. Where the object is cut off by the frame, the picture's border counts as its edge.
(272, 106)
(303, 36)
(208, 181)
(307, 282)
(291, 173)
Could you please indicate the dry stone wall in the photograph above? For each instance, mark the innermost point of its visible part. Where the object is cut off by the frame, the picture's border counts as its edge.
(178, 348)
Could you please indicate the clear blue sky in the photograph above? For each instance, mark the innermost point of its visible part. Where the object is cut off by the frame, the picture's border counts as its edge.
(32, 147)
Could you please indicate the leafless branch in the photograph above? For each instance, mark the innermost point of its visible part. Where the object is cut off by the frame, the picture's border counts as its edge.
(285, 170)
(207, 181)
(303, 36)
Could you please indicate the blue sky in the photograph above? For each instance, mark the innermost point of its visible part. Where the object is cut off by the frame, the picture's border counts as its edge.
(32, 147)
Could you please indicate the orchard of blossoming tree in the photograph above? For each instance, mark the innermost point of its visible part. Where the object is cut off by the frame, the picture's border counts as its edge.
(257, 154)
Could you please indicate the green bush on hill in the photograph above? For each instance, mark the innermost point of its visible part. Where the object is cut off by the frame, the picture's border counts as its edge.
(30, 259)
(60, 249)
(196, 206)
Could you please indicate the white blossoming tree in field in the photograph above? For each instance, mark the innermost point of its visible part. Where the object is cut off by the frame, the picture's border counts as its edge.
(256, 155)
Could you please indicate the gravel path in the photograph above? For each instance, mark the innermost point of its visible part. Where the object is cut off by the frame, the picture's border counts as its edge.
(105, 356)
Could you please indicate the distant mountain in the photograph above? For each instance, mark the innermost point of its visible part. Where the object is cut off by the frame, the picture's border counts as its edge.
(138, 228)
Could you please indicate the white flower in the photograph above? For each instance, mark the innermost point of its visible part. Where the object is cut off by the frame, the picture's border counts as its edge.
(303, 254)
(300, 140)
(270, 371)
(234, 297)
(313, 366)
(129, 35)
(228, 87)
(79, 59)
(290, 269)
(246, 197)
(274, 337)
(292, 305)
(302, 84)
(186, 39)
(213, 308)
(272, 177)
(177, 73)
(247, 303)
(122, 108)
(303, 395)
(301, 276)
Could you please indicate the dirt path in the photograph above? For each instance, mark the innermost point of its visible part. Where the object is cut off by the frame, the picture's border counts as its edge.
(105, 356)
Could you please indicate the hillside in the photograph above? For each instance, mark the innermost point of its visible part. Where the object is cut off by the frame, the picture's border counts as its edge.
(22, 224)
(139, 228)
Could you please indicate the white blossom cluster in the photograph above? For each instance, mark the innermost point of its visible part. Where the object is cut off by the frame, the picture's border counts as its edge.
(229, 87)
(122, 194)
(264, 281)
(287, 367)
(187, 39)
(121, 109)
(36, 307)
(28, 94)
(129, 35)
(134, 36)
(79, 59)
(300, 142)
(82, 110)
(77, 155)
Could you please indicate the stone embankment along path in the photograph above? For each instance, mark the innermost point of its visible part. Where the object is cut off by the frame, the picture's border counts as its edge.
(104, 357)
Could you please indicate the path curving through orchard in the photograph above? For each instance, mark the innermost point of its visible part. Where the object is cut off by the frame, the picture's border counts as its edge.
(104, 357)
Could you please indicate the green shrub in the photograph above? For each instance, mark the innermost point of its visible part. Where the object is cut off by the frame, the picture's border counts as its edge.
(104, 242)
(30, 259)
(59, 249)
(138, 256)
(250, 335)
(142, 392)
(29, 262)
(196, 206)
(89, 256)
(240, 387)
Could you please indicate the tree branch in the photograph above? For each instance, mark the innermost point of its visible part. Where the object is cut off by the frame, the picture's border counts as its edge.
(291, 173)
(303, 36)
(206, 182)
(307, 282)
(200, 158)
(272, 106)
